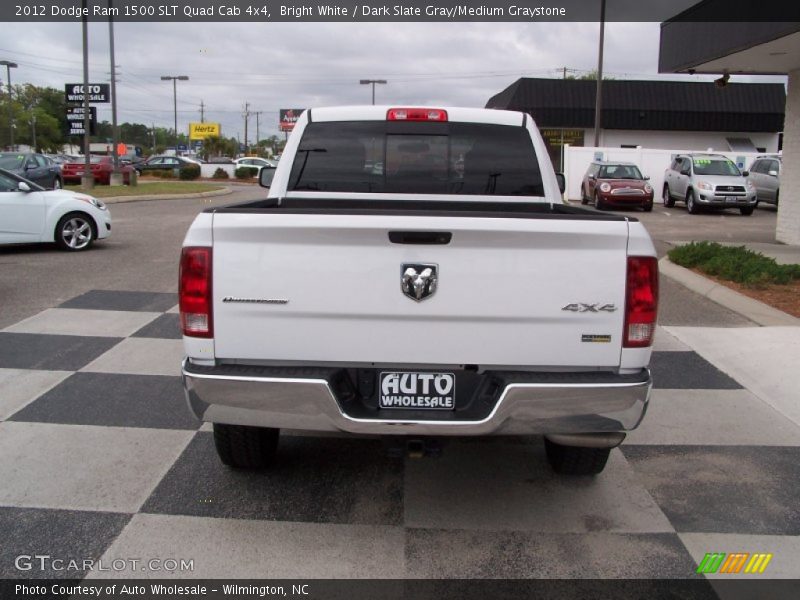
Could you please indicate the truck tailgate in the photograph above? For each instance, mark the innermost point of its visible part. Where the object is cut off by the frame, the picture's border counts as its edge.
(526, 292)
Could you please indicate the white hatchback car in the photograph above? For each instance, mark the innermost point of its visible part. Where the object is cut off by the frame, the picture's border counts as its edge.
(29, 214)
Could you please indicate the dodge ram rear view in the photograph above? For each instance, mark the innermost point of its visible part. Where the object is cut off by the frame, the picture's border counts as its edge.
(414, 272)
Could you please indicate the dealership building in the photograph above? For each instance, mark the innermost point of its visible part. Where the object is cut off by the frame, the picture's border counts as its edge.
(670, 115)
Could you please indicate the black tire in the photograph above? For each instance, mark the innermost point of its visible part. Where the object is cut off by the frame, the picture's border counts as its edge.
(669, 201)
(243, 447)
(75, 232)
(598, 202)
(691, 203)
(777, 195)
(584, 198)
(574, 460)
(648, 207)
(746, 212)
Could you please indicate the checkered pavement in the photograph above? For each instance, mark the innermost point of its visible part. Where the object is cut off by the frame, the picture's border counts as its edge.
(100, 457)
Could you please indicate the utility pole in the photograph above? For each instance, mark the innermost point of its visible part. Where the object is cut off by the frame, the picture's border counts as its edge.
(116, 177)
(87, 180)
(257, 114)
(565, 72)
(246, 115)
(598, 102)
(33, 128)
(153, 130)
(202, 112)
(175, 79)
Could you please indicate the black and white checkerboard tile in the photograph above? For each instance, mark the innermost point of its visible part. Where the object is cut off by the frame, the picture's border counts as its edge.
(100, 457)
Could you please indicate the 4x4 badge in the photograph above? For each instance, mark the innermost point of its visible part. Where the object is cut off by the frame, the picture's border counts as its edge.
(596, 307)
(418, 281)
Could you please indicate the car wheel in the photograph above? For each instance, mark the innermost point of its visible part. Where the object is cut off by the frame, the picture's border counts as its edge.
(747, 211)
(574, 460)
(691, 203)
(243, 447)
(75, 231)
(668, 201)
(648, 206)
(598, 202)
(776, 199)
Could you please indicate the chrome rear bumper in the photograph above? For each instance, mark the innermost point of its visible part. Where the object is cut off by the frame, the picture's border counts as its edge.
(552, 403)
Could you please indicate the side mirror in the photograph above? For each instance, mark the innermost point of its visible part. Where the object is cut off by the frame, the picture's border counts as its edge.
(745, 173)
(685, 172)
(562, 182)
(592, 176)
(265, 176)
(773, 173)
(23, 187)
(647, 177)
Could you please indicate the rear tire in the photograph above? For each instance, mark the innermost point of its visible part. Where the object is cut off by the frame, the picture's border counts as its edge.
(691, 203)
(243, 447)
(574, 460)
(668, 201)
(746, 211)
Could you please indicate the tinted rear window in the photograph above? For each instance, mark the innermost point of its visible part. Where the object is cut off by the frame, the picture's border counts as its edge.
(416, 158)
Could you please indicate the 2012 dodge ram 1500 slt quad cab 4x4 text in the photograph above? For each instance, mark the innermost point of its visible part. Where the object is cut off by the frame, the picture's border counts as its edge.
(414, 272)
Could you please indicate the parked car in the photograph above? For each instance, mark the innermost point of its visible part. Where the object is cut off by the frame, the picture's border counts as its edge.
(254, 161)
(34, 167)
(161, 163)
(765, 173)
(29, 213)
(608, 184)
(708, 181)
(101, 166)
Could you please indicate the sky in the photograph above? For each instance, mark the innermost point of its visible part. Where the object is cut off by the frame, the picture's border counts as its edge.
(299, 65)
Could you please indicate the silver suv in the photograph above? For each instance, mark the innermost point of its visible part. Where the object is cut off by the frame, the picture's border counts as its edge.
(708, 181)
(766, 175)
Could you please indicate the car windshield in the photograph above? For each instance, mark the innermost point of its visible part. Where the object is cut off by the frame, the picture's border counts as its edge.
(11, 161)
(620, 172)
(707, 166)
(416, 158)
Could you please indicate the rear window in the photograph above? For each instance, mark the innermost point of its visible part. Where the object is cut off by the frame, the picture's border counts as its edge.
(416, 158)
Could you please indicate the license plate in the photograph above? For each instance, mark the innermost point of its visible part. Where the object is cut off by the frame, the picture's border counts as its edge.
(417, 391)
(731, 199)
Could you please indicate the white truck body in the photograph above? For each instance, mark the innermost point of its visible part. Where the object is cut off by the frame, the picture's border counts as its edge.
(311, 307)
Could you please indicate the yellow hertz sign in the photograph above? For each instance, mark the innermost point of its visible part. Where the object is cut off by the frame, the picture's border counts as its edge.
(200, 131)
(719, 562)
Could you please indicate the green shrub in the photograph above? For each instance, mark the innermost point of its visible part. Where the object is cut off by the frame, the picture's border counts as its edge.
(220, 173)
(245, 172)
(162, 173)
(734, 263)
(189, 172)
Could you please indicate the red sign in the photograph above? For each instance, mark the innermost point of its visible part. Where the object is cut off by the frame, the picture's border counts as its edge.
(288, 118)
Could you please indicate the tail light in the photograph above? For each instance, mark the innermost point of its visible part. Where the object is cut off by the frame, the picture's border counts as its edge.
(416, 114)
(641, 301)
(195, 292)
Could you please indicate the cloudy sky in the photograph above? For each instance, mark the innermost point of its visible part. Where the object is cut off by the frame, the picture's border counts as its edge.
(298, 65)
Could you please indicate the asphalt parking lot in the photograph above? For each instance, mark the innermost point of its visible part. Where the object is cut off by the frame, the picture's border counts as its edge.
(100, 458)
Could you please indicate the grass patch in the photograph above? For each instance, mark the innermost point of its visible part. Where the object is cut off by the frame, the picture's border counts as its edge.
(734, 263)
(148, 189)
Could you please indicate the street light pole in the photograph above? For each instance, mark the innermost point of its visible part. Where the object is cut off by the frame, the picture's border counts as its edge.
(10, 65)
(598, 101)
(372, 82)
(175, 79)
(116, 176)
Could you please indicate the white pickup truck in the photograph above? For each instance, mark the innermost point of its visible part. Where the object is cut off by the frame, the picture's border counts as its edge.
(414, 272)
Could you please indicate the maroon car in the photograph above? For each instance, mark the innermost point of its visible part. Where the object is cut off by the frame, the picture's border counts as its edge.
(102, 167)
(608, 184)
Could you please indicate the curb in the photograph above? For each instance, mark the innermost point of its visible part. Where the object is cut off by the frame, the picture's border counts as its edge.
(756, 311)
(122, 199)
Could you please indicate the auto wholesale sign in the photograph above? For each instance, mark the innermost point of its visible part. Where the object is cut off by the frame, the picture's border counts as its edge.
(98, 92)
(288, 118)
(75, 120)
(201, 131)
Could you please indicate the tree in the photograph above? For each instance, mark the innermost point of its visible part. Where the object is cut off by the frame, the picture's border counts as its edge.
(590, 76)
